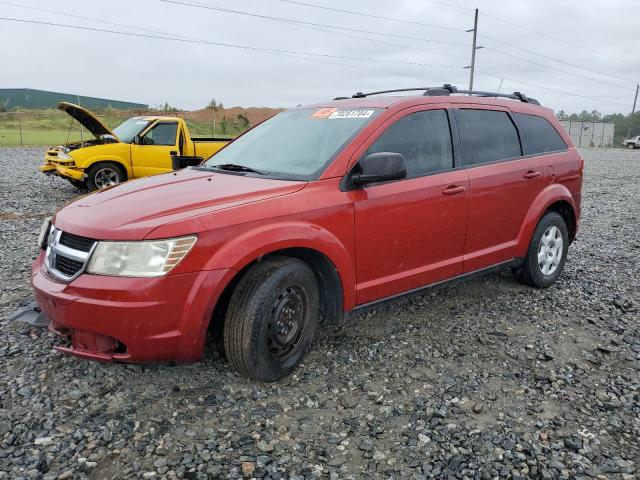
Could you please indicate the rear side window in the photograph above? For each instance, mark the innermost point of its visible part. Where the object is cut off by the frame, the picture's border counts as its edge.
(487, 136)
(423, 138)
(538, 135)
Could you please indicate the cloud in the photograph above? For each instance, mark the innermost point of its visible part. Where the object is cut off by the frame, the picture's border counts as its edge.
(188, 75)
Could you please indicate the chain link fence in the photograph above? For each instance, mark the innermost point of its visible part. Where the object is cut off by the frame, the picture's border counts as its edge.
(54, 127)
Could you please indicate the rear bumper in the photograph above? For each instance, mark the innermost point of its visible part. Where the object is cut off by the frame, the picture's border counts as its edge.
(131, 319)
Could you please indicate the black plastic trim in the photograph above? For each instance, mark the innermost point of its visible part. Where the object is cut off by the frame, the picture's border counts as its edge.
(514, 262)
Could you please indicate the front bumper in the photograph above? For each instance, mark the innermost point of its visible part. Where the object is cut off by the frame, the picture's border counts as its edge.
(62, 168)
(131, 319)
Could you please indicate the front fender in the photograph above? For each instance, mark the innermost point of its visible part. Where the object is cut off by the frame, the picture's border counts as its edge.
(549, 195)
(111, 152)
(263, 240)
(86, 163)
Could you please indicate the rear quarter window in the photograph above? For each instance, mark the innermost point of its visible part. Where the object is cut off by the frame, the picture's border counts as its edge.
(487, 136)
(538, 135)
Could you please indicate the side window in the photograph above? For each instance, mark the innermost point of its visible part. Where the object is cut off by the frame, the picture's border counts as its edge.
(487, 136)
(162, 134)
(423, 138)
(538, 135)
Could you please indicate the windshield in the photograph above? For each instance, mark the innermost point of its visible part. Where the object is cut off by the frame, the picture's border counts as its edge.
(295, 144)
(130, 128)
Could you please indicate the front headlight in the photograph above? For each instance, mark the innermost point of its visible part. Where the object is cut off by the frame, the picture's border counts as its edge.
(62, 155)
(152, 258)
(44, 233)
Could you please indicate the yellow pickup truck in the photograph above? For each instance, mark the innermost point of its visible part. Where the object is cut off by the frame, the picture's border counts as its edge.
(138, 147)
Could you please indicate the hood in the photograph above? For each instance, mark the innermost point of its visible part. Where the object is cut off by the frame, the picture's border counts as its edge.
(132, 210)
(86, 119)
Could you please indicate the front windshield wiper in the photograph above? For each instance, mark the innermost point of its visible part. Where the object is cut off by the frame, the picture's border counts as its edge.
(233, 167)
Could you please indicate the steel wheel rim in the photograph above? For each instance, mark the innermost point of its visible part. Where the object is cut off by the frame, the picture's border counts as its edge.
(550, 250)
(287, 322)
(106, 177)
(630, 145)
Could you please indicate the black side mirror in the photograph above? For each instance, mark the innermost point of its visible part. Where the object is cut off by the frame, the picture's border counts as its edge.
(380, 167)
(136, 140)
(179, 162)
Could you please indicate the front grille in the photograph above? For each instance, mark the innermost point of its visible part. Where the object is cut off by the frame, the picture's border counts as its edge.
(67, 254)
(76, 242)
(68, 266)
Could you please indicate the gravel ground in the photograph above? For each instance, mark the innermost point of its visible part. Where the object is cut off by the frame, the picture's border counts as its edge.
(482, 380)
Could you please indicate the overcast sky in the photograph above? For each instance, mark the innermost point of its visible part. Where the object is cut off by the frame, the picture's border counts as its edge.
(601, 36)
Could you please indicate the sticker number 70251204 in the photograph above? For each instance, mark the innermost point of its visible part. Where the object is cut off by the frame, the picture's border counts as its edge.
(350, 114)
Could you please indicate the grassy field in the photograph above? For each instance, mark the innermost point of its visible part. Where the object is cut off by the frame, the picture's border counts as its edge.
(53, 127)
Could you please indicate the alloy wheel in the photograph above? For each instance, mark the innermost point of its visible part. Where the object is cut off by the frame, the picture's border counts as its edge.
(106, 177)
(550, 250)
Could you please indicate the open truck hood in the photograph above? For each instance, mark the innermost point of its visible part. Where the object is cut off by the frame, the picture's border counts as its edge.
(86, 119)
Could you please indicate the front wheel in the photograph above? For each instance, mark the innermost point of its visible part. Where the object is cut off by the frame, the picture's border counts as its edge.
(631, 146)
(272, 319)
(547, 252)
(103, 175)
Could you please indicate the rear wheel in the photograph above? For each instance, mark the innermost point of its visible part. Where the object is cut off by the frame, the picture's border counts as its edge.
(272, 319)
(547, 252)
(103, 175)
(631, 146)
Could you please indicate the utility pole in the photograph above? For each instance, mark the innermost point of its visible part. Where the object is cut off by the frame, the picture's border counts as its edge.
(633, 110)
(473, 49)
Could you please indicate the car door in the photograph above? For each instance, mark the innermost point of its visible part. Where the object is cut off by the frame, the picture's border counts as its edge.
(503, 184)
(410, 233)
(152, 154)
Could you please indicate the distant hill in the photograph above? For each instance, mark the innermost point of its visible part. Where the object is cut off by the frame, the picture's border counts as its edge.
(253, 114)
(28, 98)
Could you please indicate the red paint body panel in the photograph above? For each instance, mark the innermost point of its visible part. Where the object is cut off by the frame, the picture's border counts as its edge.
(382, 240)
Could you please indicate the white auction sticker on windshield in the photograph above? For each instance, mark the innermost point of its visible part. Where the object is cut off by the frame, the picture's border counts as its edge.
(351, 114)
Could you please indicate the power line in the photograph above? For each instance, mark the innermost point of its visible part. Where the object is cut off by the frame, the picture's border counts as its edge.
(301, 22)
(322, 27)
(371, 15)
(597, 80)
(551, 89)
(542, 34)
(296, 2)
(229, 45)
(106, 22)
(514, 24)
(556, 59)
(288, 53)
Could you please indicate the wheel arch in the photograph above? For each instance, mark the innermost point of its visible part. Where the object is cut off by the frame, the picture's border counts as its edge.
(555, 197)
(330, 286)
(568, 214)
(107, 159)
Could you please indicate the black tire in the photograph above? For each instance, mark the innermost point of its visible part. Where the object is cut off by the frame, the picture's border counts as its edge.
(532, 271)
(631, 146)
(78, 184)
(272, 319)
(100, 173)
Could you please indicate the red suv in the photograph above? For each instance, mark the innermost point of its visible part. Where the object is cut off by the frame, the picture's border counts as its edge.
(314, 213)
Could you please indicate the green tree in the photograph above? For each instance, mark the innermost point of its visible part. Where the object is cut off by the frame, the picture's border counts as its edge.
(243, 121)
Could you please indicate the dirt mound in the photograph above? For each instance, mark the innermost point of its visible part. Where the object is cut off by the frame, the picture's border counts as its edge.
(254, 114)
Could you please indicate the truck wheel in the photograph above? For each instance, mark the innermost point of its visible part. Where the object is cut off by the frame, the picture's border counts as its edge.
(78, 184)
(547, 252)
(103, 175)
(272, 319)
(631, 146)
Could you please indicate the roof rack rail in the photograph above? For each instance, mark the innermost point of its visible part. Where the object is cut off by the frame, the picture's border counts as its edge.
(446, 90)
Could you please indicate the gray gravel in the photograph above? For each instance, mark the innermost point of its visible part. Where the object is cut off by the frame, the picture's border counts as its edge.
(486, 379)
